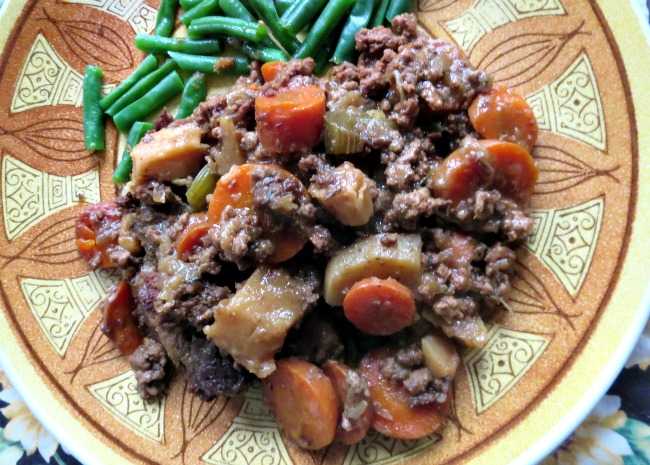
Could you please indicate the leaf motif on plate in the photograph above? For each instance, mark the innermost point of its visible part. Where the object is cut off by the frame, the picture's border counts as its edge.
(61, 305)
(565, 239)
(497, 367)
(529, 296)
(487, 15)
(119, 396)
(559, 170)
(140, 16)
(29, 195)
(94, 43)
(56, 139)
(197, 415)
(97, 349)
(519, 59)
(429, 6)
(253, 438)
(571, 105)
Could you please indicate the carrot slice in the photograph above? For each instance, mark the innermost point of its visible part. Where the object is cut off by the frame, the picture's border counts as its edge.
(304, 402)
(503, 114)
(190, 238)
(394, 416)
(95, 233)
(505, 166)
(379, 306)
(515, 173)
(292, 120)
(119, 323)
(235, 189)
(338, 373)
(271, 69)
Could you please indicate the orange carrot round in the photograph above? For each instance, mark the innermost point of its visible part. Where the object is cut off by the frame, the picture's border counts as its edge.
(379, 306)
(292, 120)
(119, 322)
(304, 403)
(190, 238)
(503, 114)
(235, 189)
(515, 173)
(461, 174)
(338, 373)
(394, 416)
(271, 69)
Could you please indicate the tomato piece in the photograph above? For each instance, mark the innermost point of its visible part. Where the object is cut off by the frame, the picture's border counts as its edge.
(304, 403)
(505, 166)
(394, 417)
(358, 428)
(515, 173)
(379, 306)
(271, 69)
(505, 115)
(119, 322)
(190, 238)
(96, 232)
(292, 120)
(235, 189)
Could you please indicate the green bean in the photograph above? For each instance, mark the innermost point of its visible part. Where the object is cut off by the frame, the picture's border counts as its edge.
(166, 19)
(203, 9)
(152, 101)
(93, 114)
(260, 52)
(300, 14)
(324, 26)
(380, 14)
(202, 185)
(359, 18)
(397, 7)
(147, 66)
(211, 65)
(189, 4)
(122, 173)
(141, 87)
(265, 9)
(283, 5)
(233, 27)
(194, 93)
(236, 9)
(157, 44)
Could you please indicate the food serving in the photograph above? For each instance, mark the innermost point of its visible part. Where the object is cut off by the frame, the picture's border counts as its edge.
(339, 236)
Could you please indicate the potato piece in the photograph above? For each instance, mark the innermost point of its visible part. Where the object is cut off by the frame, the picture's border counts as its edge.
(168, 154)
(440, 356)
(347, 194)
(470, 331)
(252, 325)
(230, 154)
(384, 256)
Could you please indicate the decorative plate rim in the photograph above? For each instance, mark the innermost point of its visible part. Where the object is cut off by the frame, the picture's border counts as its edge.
(540, 431)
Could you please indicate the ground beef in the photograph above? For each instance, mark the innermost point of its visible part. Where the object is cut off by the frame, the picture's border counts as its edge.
(408, 70)
(152, 368)
(164, 120)
(196, 302)
(297, 73)
(411, 166)
(315, 340)
(211, 374)
(408, 207)
(356, 401)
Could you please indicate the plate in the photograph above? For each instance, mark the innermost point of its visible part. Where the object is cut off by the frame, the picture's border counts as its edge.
(577, 304)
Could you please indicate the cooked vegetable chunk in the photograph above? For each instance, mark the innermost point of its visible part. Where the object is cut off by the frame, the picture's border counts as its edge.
(440, 356)
(292, 120)
(352, 391)
(389, 255)
(394, 416)
(505, 115)
(347, 193)
(119, 323)
(169, 154)
(380, 307)
(304, 402)
(96, 232)
(252, 325)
